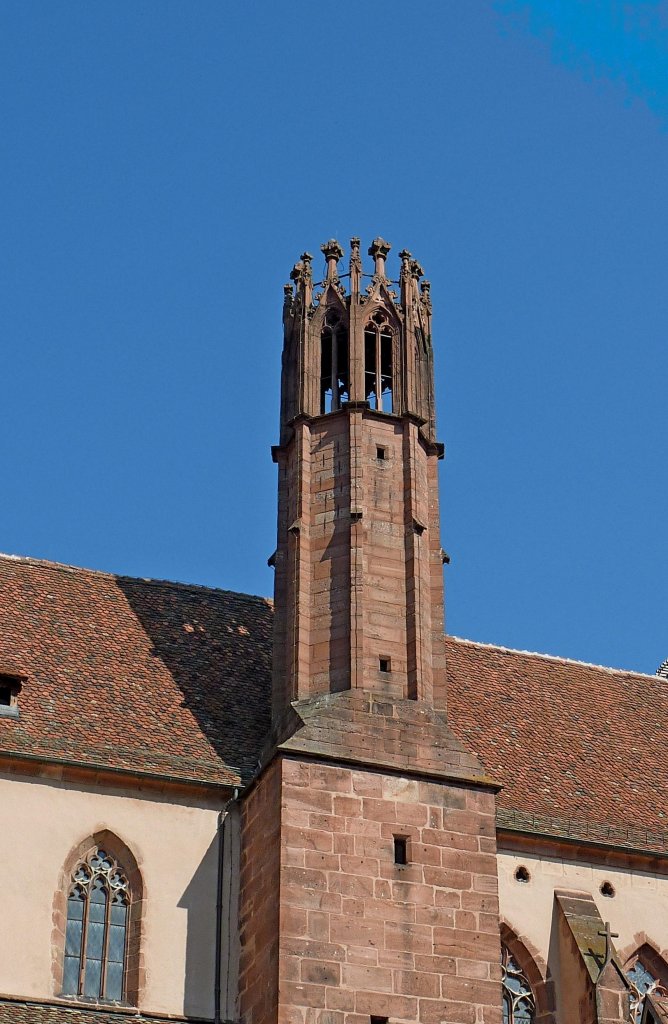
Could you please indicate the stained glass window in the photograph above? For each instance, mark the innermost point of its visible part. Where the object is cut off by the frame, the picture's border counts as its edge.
(518, 1002)
(96, 933)
(642, 982)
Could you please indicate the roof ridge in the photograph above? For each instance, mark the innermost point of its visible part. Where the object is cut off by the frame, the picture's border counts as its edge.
(45, 563)
(554, 657)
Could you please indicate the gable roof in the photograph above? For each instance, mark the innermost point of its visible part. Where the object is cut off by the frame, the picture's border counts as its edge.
(578, 748)
(174, 681)
(131, 674)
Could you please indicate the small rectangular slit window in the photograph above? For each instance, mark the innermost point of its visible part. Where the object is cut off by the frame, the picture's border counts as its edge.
(379, 1020)
(381, 453)
(400, 850)
(384, 665)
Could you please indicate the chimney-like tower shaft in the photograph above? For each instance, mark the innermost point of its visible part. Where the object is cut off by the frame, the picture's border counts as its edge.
(359, 587)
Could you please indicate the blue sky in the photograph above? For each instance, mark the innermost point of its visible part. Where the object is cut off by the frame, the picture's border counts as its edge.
(163, 165)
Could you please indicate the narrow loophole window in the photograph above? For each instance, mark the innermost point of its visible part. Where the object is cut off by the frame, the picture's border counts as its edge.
(379, 1020)
(384, 664)
(381, 453)
(400, 850)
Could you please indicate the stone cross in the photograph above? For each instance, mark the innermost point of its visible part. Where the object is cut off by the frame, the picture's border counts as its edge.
(609, 936)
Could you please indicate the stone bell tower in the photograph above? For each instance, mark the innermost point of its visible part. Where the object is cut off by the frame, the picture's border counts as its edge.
(359, 587)
(368, 868)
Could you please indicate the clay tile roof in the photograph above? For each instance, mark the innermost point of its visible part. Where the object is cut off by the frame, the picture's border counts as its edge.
(22, 1011)
(576, 746)
(143, 675)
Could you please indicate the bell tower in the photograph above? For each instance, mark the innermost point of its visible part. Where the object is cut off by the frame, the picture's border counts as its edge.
(368, 869)
(359, 590)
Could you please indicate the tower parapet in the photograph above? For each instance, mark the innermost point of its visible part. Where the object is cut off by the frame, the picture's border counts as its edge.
(358, 344)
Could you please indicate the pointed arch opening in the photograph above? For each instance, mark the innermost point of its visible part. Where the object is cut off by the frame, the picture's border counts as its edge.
(527, 991)
(334, 370)
(647, 974)
(378, 363)
(98, 911)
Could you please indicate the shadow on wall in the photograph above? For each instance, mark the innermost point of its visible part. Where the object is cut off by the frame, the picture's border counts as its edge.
(199, 901)
(214, 653)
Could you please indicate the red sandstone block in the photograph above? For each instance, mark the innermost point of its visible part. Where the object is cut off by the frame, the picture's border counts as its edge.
(351, 885)
(368, 866)
(352, 907)
(318, 925)
(365, 956)
(376, 979)
(398, 958)
(437, 917)
(468, 945)
(344, 844)
(410, 937)
(481, 901)
(347, 806)
(434, 1011)
(417, 983)
(473, 969)
(402, 913)
(367, 784)
(447, 879)
(413, 892)
(293, 857)
(298, 798)
(356, 932)
(470, 990)
(302, 994)
(296, 773)
(311, 899)
(306, 877)
(488, 923)
(318, 973)
(362, 827)
(378, 810)
(466, 920)
(382, 889)
(293, 921)
(435, 964)
(339, 999)
(385, 1005)
(323, 861)
(486, 883)
(312, 950)
(307, 839)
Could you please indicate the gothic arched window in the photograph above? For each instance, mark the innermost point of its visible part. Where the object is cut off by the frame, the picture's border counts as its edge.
(378, 386)
(334, 386)
(643, 983)
(519, 1005)
(97, 928)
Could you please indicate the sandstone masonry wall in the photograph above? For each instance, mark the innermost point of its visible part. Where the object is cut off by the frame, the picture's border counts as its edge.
(362, 936)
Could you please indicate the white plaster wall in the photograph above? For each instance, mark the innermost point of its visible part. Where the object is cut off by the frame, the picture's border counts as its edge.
(639, 906)
(175, 844)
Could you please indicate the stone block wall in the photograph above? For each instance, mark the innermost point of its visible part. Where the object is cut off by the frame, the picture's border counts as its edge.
(361, 936)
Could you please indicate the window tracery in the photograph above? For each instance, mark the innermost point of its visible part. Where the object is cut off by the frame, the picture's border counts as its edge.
(519, 1005)
(643, 983)
(97, 926)
(378, 385)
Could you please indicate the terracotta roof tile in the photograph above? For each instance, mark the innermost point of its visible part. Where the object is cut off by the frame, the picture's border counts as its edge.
(135, 674)
(568, 741)
(23, 1011)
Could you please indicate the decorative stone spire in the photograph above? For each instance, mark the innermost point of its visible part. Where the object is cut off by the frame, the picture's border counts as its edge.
(379, 249)
(333, 253)
(355, 267)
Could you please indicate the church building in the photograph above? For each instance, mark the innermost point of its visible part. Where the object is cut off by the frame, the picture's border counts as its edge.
(322, 809)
